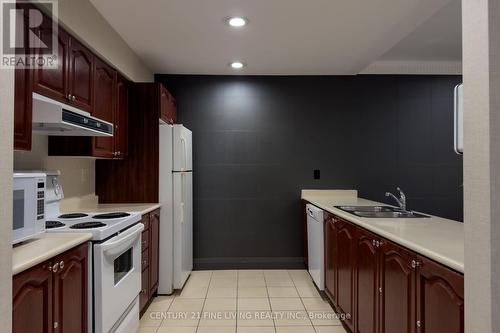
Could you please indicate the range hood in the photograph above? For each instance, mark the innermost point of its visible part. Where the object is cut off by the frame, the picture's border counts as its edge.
(51, 117)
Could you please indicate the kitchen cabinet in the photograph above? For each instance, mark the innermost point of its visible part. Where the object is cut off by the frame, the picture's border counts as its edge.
(52, 296)
(104, 102)
(120, 119)
(81, 76)
(168, 106)
(330, 254)
(440, 298)
(53, 82)
(22, 99)
(110, 104)
(397, 283)
(82, 80)
(366, 281)
(344, 269)
(143, 154)
(150, 257)
(387, 288)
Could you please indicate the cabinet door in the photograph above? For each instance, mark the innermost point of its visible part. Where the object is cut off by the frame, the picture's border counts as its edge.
(154, 248)
(165, 106)
(104, 103)
(330, 248)
(144, 294)
(81, 80)
(32, 301)
(70, 291)
(121, 118)
(173, 110)
(366, 281)
(344, 267)
(440, 298)
(50, 82)
(397, 280)
(22, 99)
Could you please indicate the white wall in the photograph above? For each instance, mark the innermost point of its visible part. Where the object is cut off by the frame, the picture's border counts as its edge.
(6, 138)
(481, 73)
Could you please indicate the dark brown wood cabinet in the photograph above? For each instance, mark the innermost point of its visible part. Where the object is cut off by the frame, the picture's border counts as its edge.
(104, 104)
(81, 79)
(344, 269)
(366, 282)
(330, 254)
(81, 76)
(52, 296)
(150, 257)
(143, 152)
(397, 283)
(387, 288)
(440, 298)
(168, 106)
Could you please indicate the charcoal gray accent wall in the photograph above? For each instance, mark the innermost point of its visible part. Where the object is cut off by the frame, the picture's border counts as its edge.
(257, 141)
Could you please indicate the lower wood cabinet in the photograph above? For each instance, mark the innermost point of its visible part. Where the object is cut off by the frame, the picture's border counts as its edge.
(383, 287)
(150, 257)
(52, 296)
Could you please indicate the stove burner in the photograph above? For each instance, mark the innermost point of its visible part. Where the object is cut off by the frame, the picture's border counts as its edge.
(53, 224)
(88, 225)
(111, 215)
(73, 216)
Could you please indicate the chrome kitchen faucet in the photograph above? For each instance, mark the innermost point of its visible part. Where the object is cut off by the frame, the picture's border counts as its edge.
(402, 198)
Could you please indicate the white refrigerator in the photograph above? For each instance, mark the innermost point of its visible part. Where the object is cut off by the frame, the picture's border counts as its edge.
(176, 198)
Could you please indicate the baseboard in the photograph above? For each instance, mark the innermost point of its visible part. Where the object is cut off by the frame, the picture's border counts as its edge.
(249, 263)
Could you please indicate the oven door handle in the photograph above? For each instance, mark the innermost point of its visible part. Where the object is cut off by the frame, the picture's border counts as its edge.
(115, 248)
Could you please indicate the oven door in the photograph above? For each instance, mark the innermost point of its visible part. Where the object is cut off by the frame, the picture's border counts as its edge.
(117, 276)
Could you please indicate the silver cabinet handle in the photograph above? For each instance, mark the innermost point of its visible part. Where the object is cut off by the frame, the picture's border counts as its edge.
(68, 97)
(54, 268)
(61, 264)
(73, 98)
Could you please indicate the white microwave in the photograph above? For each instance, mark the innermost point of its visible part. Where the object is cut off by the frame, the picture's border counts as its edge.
(29, 206)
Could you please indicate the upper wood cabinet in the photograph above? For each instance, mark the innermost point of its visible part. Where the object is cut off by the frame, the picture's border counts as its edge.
(168, 106)
(104, 104)
(53, 82)
(121, 110)
(52, 296)
(81, 76)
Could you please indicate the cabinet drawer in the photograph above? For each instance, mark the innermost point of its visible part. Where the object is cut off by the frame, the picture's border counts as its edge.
(145, 259)
(144, 294)
(145, 240)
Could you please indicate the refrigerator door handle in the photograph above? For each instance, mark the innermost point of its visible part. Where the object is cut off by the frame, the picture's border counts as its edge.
(183, 195)
(184, 153)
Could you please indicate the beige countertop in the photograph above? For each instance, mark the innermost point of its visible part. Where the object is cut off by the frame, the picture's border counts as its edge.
(436, 238)
(44, 247)
(142, 208)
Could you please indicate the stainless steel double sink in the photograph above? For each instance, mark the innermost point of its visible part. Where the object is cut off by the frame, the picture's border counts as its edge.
(380, 212)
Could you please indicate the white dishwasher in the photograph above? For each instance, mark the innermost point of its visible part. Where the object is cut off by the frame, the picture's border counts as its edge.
(315, 245)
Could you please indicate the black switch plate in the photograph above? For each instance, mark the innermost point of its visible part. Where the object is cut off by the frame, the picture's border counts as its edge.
(317, 174)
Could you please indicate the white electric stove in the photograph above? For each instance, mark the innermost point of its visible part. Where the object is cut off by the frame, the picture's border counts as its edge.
(114, 260)
(100, 225)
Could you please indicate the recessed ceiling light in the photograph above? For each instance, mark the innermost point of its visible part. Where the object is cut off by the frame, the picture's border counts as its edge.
(237, 65)
(236, 21)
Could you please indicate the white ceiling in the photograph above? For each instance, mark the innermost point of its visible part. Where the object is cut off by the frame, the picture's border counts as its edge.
(284, 37)
(437, 39)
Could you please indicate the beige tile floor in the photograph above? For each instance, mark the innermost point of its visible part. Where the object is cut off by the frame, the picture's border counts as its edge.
(243, 301)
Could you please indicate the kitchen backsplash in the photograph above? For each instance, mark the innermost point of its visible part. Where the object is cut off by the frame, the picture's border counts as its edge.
(77, 174)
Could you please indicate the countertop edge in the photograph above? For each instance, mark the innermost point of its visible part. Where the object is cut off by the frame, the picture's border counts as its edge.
(71, 242)
(448, 262)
